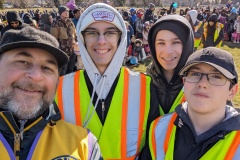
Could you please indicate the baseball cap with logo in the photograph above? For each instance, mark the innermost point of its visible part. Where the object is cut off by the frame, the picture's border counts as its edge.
(218, 58)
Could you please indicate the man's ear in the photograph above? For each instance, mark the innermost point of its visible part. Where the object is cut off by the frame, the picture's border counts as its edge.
(233, 91)
(183, 79)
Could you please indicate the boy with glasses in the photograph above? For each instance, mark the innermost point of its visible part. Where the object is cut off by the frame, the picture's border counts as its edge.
(204, 127)
(116, 104)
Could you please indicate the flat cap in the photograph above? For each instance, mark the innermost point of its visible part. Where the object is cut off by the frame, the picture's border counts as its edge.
(29, 37)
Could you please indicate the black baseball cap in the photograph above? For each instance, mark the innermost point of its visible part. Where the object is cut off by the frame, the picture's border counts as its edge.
(218, 58)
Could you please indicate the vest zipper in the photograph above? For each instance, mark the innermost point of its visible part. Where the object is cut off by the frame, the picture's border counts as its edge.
(18, 138)
(17, 145)
(103, 110)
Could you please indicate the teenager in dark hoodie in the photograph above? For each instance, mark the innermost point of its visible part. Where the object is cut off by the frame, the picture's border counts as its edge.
(14, 22)
(171, 42)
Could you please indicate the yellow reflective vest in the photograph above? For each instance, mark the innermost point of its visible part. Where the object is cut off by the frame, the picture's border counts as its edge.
(124, 131)
(219, 27)
(60, 141)
(197, 41)
(162, 138)
(179, 100)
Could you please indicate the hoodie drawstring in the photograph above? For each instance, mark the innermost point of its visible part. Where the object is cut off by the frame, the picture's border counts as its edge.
(86, 119)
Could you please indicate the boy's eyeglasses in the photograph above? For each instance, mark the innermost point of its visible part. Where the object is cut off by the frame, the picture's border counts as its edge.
(14, 22)
(110, 36)
(216, 79)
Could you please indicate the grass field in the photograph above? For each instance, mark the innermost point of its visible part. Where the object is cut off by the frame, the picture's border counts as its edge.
(233, 48)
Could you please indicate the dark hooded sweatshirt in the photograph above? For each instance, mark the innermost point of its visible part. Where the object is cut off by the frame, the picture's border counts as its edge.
(46, 24)
(167, 92)
(13, 16)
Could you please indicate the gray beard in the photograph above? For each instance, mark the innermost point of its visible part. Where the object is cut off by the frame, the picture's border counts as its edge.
(25, 110)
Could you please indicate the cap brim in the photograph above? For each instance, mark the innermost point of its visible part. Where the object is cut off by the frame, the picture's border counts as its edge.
(219, 68)
(60, 56)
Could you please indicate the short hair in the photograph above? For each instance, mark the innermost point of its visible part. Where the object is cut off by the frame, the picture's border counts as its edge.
(75, 11)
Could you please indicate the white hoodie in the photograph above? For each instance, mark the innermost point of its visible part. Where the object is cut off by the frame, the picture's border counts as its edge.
(102, 12)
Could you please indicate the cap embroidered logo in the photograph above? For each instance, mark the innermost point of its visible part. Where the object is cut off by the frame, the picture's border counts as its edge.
(103, 16)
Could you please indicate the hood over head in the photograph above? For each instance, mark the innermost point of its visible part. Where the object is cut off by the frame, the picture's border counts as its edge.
(182, 28)
(213, 18)
(13, 16)
(233, 10)
(193, 14)
(45, 18)
(91, 15)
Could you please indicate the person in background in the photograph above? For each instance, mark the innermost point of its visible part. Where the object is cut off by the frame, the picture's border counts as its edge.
(14, 22)
(46, 22)
(171, 43)
(31, 22)
(130, 32)
(237, 30)
(151, 23)
(77, 14)
(64, 31)
(133, 18)
(223, 19)
(149, 14)
(126, 17)
(231, 19)
(197, 27)
(115, 103)
(200, 14)
(204, 127)
(138, 50)
(212, 32)
(30, 125)
(181, 12)
(206, 15)
(139, 25)
(145, 38)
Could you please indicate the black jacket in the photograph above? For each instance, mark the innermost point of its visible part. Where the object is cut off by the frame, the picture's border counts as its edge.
(148, 15)
(167, 92)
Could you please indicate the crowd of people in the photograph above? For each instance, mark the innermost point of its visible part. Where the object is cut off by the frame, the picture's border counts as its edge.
(66, 94)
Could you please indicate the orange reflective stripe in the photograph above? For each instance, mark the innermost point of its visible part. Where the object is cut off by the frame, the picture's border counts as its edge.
(169, 131)
(77, 105)
(142, 109)
(124, 115)
(183, 99)
(153, 137)
(232, 149)
(60, 98)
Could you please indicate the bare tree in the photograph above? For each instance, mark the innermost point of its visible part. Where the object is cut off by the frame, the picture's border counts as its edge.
(1, 3)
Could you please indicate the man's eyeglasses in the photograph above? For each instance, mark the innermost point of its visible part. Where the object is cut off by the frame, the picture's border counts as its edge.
(110, 36)
(14, 22)
(216, 79)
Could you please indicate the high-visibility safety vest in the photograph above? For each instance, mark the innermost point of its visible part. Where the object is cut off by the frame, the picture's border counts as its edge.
(124, 132)
(219, 27)
(179, 100)
(53, 142)
(162, 138)
(197, 41)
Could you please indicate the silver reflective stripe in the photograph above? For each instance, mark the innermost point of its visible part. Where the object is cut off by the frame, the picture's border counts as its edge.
(160, 135)
(133, 113)
(68, 98)
(237, 154)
